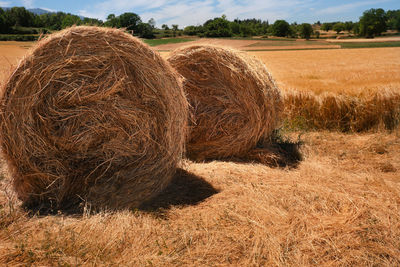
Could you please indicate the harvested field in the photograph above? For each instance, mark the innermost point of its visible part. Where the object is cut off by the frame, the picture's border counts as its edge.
(346, 71)
(237, 44)
(346, 90)
(10, 53)
(259, 44)
(339, 207)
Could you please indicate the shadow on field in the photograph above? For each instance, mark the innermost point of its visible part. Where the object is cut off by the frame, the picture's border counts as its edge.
(185, 188)
(275, 152)
(280, 154)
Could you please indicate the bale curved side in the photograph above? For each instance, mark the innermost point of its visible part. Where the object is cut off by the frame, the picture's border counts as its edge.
(234, 100)
(92, 114)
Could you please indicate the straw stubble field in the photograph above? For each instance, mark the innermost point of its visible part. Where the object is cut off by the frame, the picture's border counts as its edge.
(339, 206)
(346, 90)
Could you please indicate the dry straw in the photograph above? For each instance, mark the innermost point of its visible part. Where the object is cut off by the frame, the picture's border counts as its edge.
(94, 114)
(345, 113)
(234, 100)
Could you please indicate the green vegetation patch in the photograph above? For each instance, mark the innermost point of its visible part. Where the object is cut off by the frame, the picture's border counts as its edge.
(19, 37)
(287, 43)
(155, 42)
(291, 49)
(369, 44)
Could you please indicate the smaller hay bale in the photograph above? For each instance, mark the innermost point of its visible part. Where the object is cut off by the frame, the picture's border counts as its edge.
(235, 102)
(92, 114)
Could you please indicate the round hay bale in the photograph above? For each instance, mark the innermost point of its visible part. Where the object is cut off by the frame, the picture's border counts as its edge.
(234, 100)
(92, 114)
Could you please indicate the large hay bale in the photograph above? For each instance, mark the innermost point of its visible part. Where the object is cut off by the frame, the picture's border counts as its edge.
(94, 114)
(234, 99)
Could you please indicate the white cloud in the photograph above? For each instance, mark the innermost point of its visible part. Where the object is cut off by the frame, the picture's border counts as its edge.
(194, 12)
(348, 7)
(27, 3)
(48, 9)
(5, 4)
(102, 9)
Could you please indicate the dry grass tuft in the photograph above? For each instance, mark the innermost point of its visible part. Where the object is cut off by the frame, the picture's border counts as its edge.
(329, 111)
(235, 100)
(92, 114)
(338, 208)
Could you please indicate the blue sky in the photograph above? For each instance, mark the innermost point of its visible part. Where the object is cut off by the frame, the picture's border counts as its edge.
(193, 12)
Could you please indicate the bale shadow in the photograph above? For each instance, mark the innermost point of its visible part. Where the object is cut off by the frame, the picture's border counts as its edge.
(184, 189)
(277, 154)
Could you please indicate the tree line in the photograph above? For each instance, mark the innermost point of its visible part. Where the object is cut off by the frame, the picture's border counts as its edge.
(18, 20)
(373, 22)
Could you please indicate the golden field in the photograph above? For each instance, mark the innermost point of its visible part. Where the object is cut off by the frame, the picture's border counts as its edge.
(339, 205)
(340, 71)
(10, 54)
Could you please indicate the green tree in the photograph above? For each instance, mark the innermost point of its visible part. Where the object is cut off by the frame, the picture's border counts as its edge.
(373, 22)
(305, 30)
(235, 27)
(217, 27)
(145, 30)
(190, 30)
(165, 27)
(247, 30)
(19, 16)
(152, 23)
(356, 28)
(112, 21)
(4, 25)
(348, 26)
(70, 20)
(174, 29)
(130, 21)
(38, 21)
(327, 26)
(393, 19)
(294, 29)
(92, 22)
(54, 20)
(338, 27)
(193, 30)
(280, 28)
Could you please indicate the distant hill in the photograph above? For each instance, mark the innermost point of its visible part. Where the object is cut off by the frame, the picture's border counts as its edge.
(36, 11)
(39, 11)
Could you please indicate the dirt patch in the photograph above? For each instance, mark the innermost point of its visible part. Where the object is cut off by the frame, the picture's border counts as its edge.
(237, 44)
(290, 47)
(10, 54)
